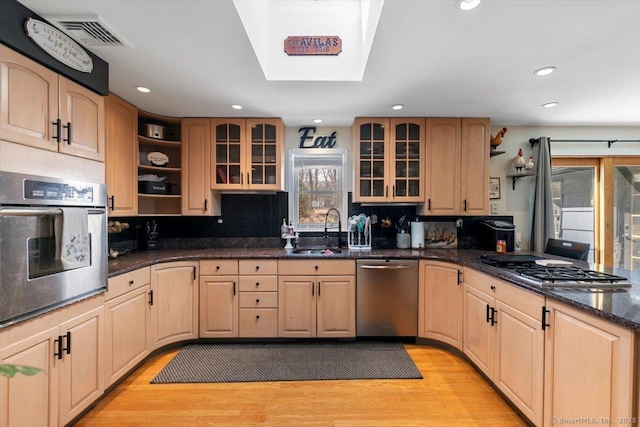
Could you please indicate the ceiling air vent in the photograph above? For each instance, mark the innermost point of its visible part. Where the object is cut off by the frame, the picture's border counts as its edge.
(91, 31)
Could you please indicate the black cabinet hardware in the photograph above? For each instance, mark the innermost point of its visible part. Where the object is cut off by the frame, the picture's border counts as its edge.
(194, 273)
(234, 288)
(544, 317)
(67, 349)
(113, 202)
(205, 204)
(69, 137)
(459, 276)
(58, 127)
(130, 282)
(58, 344)
(488, 313)
(151, 297)
(493, 316)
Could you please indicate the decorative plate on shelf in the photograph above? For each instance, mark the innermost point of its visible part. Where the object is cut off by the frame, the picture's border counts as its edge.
(157, 158)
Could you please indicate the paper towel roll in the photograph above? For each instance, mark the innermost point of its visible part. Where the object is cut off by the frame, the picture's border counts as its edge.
(417, 235)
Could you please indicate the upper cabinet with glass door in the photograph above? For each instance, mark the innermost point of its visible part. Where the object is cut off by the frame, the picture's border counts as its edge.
(247, 154)
(389, 160)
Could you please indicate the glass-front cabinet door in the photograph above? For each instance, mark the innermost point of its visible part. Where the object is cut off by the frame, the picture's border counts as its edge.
(247, 154)
(228, 151)
(407, 144)
(370, 145)
(389, 160)
(265, 151)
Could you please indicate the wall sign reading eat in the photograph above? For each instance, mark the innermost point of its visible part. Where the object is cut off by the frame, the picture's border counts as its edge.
(319, 141)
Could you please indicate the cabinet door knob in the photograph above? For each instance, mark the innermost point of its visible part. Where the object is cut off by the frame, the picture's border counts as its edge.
(130, 282)
(257, 284)
(217, 267)
(257, 267)
(258, 317)
(493, 288)
(257, 300)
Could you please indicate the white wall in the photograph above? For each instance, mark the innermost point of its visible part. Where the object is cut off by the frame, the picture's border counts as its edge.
(519, 202)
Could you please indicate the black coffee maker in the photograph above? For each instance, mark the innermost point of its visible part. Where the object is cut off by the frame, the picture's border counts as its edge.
(490, 231)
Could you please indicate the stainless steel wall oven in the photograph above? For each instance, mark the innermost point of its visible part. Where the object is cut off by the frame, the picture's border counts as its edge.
(38, 271)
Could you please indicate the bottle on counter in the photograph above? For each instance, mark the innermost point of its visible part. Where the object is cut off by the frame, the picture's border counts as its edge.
(283, 228)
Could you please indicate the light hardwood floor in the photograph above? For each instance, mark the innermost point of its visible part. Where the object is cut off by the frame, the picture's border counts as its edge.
(452, 393)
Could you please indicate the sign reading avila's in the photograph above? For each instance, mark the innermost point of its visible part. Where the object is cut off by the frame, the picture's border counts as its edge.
(312, 45)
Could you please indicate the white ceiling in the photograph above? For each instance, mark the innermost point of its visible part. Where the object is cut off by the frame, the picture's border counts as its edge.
(435, 59)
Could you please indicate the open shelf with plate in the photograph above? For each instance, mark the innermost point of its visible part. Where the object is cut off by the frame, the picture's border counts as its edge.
(159, 155)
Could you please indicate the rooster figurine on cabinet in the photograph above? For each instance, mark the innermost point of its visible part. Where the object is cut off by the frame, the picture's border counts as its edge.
(519, 161)
(497, 140)
(529, 165)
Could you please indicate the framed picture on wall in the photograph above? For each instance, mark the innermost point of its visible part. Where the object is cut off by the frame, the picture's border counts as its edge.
(494, 188)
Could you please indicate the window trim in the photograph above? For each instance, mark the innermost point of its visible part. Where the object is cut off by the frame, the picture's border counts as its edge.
(292, 182)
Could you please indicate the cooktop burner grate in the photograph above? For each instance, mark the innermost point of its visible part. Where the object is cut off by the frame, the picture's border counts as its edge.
(567, 277)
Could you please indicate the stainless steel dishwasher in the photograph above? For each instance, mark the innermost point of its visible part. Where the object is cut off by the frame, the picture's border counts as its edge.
(386, 298)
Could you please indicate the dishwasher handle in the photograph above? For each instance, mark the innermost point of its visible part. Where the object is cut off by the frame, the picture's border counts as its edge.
(387, 267)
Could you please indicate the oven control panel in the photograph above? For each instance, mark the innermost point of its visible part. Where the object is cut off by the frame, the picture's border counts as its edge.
(41, 190)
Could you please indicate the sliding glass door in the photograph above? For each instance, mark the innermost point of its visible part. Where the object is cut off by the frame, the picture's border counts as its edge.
(626, 214)
(575, 206)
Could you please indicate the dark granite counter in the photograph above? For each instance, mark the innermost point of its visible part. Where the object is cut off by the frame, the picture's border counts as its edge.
(622, 308)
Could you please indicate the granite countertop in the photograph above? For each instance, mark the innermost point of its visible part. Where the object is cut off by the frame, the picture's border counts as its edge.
(622, 308)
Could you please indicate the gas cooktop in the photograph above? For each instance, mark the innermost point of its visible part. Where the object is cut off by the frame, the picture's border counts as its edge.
(556, 276)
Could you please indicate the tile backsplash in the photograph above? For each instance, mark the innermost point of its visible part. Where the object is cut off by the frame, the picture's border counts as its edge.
(254, 220)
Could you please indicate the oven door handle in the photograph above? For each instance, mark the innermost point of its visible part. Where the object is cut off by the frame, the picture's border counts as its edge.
(42, 211)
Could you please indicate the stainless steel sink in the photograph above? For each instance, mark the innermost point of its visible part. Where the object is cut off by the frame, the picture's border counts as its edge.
(317, 251)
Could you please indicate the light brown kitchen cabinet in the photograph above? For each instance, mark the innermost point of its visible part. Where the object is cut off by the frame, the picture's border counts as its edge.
(316, 298)
(440, 308)
(219, 298)
(474, 172)
(31, 400)
(174, 302)
(196, 157)
(81, 371)
(127, 323)
(67, 345)
(503, 337)
(121, 157)
(42, 109)
(247, 154)
(589, 364)
(457, 179)
(258, 302)
(389, 156)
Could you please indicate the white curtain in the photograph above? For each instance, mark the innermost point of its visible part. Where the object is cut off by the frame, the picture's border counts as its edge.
(542, 218)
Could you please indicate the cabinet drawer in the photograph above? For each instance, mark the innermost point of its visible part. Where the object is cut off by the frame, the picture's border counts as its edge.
(258, 322)
(312, 267)
(518, 298)
(258, 266)
(258, 300)
(258, 283)
(120, 285)
(218, 267)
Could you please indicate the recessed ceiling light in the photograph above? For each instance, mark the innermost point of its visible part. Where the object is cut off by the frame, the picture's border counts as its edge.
(236, 107)
(397, 107)
(550, 104)
(317, 120)
(544, 71)
(143, 89)
(468, 4)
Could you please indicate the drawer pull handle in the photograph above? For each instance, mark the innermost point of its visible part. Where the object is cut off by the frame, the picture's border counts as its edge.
(257, 300)
(258, 317)
(217, 267)
(257, 267)
(257, 284)
(493, 288)
(130, 282)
